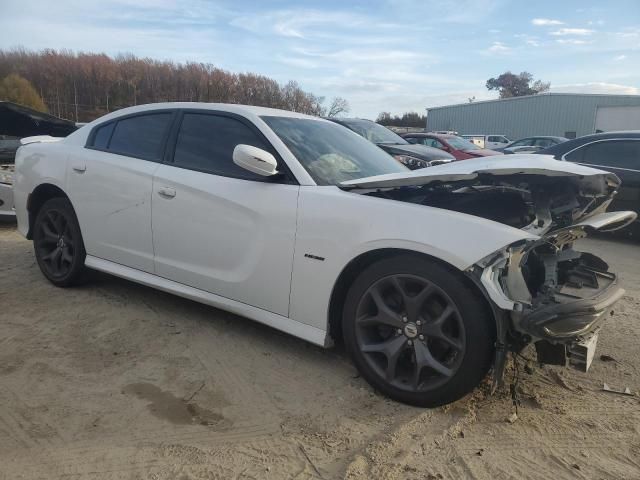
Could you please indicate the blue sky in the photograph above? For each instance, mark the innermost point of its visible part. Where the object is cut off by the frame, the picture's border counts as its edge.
(385, 55)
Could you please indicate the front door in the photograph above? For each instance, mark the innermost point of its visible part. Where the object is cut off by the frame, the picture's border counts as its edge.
(218, 227)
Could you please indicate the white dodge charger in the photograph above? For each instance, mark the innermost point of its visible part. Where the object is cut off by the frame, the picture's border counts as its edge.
(429, 277)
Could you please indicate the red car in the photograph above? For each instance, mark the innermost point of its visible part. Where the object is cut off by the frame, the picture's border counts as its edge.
(460, 148)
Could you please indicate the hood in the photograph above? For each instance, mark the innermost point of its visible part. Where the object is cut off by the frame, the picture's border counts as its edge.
(419, 151)
(515, 165)
(482, 152)
(532, 192)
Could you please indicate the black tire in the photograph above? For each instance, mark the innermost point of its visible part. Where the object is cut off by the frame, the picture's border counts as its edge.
(455, 354)
(58, 244)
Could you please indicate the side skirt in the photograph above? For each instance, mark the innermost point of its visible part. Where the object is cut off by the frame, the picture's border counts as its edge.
(284, 324)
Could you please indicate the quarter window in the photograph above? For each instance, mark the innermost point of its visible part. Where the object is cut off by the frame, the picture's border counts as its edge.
(103, 135)
(612, 153)
(141, 136)
(206, 142)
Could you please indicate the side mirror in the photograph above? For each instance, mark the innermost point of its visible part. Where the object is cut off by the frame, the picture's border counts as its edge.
(255, 160)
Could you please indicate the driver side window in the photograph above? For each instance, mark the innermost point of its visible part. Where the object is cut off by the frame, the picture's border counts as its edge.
(205, 143)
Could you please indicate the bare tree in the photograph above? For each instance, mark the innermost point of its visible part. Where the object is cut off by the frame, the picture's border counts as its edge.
(338, 105)
(94, 84)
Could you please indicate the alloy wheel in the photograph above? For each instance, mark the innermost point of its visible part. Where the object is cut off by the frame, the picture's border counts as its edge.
(55, 243)
(410, 332)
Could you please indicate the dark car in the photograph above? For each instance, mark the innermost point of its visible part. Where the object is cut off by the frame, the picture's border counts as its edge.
(412, 156)
(459, 147)
(16, 122)
(617, 152)
(532, 144)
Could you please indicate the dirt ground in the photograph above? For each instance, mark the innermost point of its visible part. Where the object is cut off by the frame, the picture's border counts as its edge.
(113, 380)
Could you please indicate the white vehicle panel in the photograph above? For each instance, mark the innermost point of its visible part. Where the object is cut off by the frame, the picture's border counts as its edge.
(111, 195)
(339, 226)
(231, 237)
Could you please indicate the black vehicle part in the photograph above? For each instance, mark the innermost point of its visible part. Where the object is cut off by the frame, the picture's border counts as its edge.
(417, 332)
(58, 243)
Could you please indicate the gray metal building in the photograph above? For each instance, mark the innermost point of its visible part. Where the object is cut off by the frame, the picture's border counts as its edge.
(560, 114)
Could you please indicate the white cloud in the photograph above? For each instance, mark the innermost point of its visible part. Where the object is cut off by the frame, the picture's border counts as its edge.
(498, 48)
(619, 58)
(532, 43)
(572, 31)
(596, 87)
(545, 22)
(572, 41)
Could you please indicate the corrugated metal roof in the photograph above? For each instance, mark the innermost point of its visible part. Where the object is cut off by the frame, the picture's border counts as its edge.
(539, 95)
(545, 114)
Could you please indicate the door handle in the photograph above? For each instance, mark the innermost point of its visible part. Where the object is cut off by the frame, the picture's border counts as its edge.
(167, 192)
(79, 168)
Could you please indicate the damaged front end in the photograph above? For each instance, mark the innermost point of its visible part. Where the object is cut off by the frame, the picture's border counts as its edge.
(541, 289)
(553, 295)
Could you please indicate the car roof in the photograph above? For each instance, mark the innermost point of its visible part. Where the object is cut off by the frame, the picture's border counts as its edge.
(564, 147)
(441, 136)
(540, 136)
(349, 119)
(244, 110)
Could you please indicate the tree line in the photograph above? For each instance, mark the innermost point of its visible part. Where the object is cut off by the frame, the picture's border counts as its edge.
(83, 86)
(409, 119)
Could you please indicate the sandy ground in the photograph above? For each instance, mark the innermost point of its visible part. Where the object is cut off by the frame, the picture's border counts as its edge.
(114, 380)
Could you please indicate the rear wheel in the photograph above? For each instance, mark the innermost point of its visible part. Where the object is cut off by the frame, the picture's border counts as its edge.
(58, 244)
(417, 332)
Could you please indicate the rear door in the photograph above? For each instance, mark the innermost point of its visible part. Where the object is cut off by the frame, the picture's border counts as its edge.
(110, 186)
(620, 156)
(218, 227)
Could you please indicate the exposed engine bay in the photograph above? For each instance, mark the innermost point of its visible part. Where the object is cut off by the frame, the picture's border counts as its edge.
(543, 291)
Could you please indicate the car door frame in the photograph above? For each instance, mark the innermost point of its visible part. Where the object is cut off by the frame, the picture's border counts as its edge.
(172, 140)
(286, 177)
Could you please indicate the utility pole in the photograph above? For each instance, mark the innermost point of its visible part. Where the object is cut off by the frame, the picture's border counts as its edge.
(75, 98)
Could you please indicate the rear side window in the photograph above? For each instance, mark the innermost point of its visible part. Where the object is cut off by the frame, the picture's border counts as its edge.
(206, 142)
(141, 136)
(103, 135)
(612, 153)
(544, 142)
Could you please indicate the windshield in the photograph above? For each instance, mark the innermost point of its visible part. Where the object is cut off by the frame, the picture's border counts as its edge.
(374, 132)
(330, 152)
(461, 144)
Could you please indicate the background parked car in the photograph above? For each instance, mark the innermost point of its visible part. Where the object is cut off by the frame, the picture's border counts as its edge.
(614, 152)
(412, 156)
(488, 141)
(16, 122)
(457, 146)
(532, 144)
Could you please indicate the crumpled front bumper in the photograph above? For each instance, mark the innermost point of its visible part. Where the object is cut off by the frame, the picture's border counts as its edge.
(552, 295)
(570, 316)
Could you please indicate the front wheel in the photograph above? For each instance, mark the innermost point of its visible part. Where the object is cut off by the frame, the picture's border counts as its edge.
(58, 243)
(417, 332)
